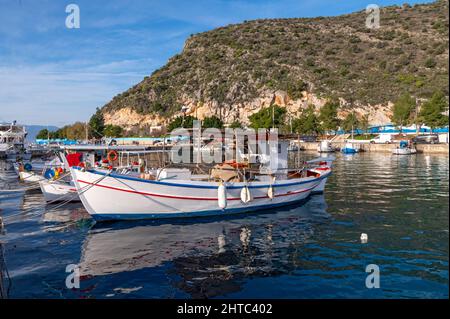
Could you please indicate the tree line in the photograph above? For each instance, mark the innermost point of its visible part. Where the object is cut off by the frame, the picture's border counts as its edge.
(95, 128)
(432, 112)
(405, 112)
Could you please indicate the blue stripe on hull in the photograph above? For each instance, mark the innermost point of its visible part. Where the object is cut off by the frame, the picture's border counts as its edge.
(118, 176)
(217, 212)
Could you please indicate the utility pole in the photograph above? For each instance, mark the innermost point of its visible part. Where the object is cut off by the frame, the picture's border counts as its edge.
(290, 122)
(273, 116)
(415, 117)
(86, 131)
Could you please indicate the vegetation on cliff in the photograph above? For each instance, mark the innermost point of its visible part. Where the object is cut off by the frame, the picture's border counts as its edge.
(330, 56)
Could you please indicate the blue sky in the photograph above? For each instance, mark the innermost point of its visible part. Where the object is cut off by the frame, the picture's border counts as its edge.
(52, 75)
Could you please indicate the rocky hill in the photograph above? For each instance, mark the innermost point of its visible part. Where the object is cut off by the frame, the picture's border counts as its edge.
(236, 70)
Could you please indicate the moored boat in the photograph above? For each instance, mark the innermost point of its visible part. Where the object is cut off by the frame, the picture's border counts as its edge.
(350, 148)
(30, 177)
(58, 190)
(108, 196)
(12, 141)
(325, 147)
(321, 166)
(404, 148)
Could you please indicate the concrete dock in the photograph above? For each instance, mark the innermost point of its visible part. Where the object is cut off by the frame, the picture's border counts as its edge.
(442, 148)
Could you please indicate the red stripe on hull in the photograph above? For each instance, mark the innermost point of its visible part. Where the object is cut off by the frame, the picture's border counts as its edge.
(188, 198)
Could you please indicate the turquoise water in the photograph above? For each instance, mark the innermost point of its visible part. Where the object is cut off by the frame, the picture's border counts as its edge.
(312, 250)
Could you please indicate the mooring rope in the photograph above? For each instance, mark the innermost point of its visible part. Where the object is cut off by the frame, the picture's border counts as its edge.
(71, 195)
(33, 185)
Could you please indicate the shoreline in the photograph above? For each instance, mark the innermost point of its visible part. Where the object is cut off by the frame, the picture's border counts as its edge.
(384, 148)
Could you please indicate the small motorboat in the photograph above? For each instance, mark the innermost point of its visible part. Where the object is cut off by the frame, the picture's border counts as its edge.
(30, 177)
(325, 147)
(34, 171)
(404, 148)
(59, 190)
(350, 148)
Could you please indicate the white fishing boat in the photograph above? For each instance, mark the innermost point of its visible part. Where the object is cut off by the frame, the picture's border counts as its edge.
(320, 166)
(12, 141)
(30, 177)
(59, 190)
(110, 195)
(61, 187)
(325, 147)
(404, 148)
(38, 165)
(230, 187)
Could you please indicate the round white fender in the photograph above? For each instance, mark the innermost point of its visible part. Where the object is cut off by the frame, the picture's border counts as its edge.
(222, 196)
(246, 196)
(270, 191)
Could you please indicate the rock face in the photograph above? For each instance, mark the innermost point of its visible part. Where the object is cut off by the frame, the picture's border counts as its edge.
(234, 71)
(128, 118)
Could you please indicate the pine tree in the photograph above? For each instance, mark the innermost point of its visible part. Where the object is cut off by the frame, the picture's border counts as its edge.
(307, 123)
(432, 111)
(212, 121)
(350, 122)
(402, 110)
(97, 124)
(328, 115)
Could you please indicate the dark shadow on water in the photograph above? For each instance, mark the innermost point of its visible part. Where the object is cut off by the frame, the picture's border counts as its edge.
(202, 220)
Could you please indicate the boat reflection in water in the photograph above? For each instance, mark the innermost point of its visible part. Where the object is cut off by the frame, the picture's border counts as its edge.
(210, 255)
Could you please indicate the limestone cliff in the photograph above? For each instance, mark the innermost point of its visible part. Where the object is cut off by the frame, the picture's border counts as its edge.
(234, 71)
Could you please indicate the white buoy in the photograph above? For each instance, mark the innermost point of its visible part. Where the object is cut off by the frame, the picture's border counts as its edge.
(364, 238)
(246, 196)
(222, 196)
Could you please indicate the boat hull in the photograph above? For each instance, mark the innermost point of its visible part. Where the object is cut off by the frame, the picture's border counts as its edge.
(119, 197)
(349, 151)
(57, 191)
(325, 147)
(404, 151)
(30, 177)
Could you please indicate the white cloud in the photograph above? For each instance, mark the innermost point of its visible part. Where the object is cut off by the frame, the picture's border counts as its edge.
(59, 94)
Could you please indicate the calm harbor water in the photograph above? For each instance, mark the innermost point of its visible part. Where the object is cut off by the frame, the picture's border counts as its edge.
(308, 251)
